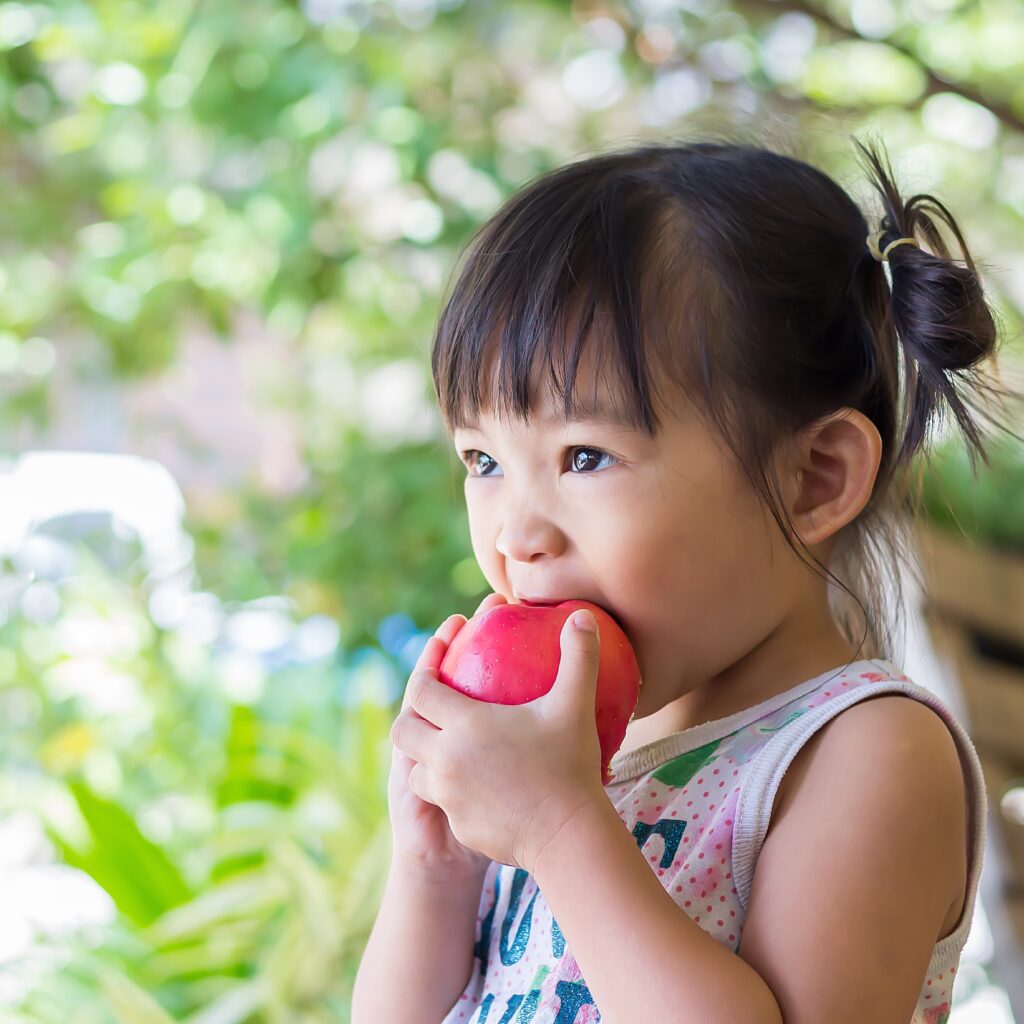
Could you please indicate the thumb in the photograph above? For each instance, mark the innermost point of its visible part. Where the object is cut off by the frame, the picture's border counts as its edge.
(575, 686)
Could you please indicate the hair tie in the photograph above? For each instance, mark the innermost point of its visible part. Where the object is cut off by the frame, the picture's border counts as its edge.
(876, 236)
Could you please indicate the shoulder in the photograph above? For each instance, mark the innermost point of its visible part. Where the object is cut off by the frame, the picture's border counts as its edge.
(863, 858)
(885, 736)
(890, 747)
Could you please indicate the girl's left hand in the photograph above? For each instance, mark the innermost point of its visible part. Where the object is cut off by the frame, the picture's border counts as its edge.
(508, 776)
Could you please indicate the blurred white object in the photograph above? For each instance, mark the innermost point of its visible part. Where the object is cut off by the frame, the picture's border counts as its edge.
(139, 494)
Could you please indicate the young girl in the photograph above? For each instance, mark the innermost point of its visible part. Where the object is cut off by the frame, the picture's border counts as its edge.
(794, 831)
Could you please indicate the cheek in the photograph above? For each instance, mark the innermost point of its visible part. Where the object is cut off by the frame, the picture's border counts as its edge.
(696, 554)
(697, 585)
(482, 533)
(738, 582)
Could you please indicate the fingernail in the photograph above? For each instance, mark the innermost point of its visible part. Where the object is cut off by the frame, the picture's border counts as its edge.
(584, 621)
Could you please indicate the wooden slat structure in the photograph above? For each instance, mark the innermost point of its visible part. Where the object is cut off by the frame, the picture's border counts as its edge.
(974, 610)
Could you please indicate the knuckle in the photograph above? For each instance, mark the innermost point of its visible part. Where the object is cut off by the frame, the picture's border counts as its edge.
(418, 690)
(414, 686)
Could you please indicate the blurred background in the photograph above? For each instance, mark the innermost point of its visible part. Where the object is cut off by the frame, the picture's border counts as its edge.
(229, 517)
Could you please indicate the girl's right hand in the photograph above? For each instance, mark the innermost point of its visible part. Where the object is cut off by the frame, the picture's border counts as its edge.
(422, 838)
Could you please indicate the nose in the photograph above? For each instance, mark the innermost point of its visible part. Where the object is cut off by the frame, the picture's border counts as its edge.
(526, 535)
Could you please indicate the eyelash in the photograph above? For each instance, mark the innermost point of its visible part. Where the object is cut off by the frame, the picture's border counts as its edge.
(466, 457)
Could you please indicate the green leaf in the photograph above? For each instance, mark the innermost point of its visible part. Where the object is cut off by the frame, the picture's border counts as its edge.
(129, 1003)
(138, 875)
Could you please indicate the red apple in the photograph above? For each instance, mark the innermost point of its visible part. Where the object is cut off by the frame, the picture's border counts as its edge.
(509, 654)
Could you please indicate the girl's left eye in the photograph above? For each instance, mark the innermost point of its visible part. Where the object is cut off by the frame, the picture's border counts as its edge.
(576, 462)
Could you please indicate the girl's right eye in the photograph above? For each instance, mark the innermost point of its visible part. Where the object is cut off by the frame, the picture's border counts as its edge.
(468, 459)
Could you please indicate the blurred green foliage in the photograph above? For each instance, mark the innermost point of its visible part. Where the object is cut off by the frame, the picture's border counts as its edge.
(986, 505)
(289, 186)
(242, 841)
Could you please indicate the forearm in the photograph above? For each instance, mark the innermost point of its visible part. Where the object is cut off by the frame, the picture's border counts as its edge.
(641, 956)
(419, 957)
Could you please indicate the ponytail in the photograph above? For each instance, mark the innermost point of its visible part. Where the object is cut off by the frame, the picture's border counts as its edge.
(940, 315)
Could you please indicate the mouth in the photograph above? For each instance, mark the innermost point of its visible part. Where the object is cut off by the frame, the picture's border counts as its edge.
(539, 602)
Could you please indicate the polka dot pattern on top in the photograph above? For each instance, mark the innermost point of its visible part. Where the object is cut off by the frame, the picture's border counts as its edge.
(698, 804)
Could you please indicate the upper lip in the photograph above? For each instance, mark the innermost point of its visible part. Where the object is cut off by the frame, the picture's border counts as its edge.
(539, 600)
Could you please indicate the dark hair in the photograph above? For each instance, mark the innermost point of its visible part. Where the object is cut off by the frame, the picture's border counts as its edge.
(745, 276)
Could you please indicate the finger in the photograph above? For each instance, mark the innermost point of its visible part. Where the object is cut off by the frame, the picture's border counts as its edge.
(434, 649)
(448, 629)
(489, 602)
(411, 736)
(437, 702)
(404, 761)
(421, 783)
(432, 672)
(575, 686)
(445, 633)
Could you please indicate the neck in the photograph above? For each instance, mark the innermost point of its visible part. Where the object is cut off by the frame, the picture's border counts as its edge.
(793, 652)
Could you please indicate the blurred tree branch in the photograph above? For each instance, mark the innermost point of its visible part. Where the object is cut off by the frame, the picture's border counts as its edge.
(936, 83)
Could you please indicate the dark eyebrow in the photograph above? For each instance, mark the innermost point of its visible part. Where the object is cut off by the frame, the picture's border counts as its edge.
(590, 414)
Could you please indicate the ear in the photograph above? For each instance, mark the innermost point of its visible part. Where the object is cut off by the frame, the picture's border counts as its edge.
(831, 474)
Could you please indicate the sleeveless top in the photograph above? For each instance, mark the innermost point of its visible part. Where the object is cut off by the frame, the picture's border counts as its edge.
(698, 803)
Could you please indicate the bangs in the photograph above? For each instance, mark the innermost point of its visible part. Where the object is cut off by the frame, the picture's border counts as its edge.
(573, 262)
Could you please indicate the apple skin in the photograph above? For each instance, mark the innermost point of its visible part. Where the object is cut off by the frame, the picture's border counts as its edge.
(509, 654)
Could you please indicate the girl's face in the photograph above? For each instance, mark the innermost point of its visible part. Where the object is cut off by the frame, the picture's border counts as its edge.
(664, 533)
